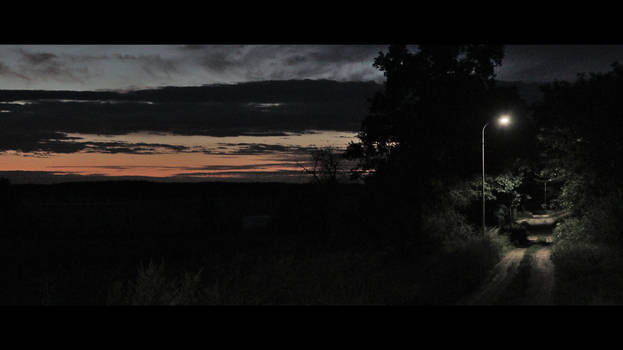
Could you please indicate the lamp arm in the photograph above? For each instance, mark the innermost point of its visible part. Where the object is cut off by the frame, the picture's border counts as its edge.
(483, 130)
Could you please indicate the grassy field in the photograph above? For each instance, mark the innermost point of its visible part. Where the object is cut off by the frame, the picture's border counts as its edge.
(156, 243)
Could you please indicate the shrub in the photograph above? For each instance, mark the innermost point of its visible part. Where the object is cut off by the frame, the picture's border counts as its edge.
(589, 267)
(153, 287)
(459, 268)
(587, 272)
(445, 226)
(569, 231)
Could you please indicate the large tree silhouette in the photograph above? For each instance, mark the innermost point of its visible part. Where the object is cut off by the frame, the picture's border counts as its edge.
(431, 100)
(580, 127)
(423, 130)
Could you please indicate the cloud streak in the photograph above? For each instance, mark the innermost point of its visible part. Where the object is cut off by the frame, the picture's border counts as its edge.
(81, 67)
(540, 63)
(282, 62)
(90, 67)
(8, 72)
(46, 65)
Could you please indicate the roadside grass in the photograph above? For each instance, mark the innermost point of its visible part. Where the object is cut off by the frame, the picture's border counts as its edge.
(589, 266)
(500, 241)
(153, 287)
(326, 278)
(587, 273)
(374, 276)
(62, 252)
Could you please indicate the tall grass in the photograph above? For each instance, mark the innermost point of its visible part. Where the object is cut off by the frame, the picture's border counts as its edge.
(153, 287)
(589, 270)
(324, 277)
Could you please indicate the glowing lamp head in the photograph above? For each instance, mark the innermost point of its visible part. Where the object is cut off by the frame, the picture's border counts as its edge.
(504, 120)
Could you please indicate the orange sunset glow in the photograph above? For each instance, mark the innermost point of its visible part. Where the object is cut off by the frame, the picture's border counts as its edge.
(204, 156)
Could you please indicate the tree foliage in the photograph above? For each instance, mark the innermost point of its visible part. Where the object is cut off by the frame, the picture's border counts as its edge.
(422, 134)
(580, 125)
(326, 164)
(432, 99)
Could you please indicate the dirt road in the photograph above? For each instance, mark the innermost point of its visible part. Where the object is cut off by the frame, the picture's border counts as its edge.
(500, 277)
(508, 285)
(541, 279)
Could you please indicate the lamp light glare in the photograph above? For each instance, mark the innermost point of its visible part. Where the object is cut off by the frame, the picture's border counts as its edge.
(504, 120)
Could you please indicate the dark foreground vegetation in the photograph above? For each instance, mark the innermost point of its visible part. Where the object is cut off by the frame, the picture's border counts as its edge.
(581, 128)
(157, 243)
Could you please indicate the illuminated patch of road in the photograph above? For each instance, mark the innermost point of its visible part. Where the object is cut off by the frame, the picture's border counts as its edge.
(541, 279)
(499, 279)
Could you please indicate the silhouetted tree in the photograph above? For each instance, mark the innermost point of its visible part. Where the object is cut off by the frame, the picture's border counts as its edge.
(505, 188)
(326, 165)
(431, 99)
(423, 130)
(580, 125)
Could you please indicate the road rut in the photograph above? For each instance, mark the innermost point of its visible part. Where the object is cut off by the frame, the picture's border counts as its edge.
(541, 279)
(499, 278)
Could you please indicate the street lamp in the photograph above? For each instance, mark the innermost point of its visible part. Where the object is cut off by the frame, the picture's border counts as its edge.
(503, 120)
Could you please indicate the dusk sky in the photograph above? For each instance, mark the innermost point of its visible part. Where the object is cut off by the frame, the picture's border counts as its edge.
(88, 67)
(245, 132)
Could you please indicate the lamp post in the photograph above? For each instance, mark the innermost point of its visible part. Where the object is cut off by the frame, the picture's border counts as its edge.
(502, 120)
